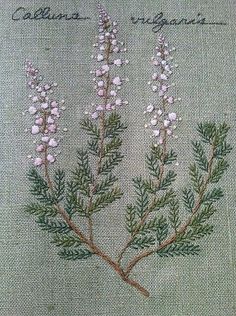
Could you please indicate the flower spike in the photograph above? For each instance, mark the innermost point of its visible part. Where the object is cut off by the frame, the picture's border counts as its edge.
(46, 112)
(162, 121)
(107, 81)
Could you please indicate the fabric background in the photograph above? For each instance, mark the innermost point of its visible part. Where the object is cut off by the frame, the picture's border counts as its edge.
(34, 281)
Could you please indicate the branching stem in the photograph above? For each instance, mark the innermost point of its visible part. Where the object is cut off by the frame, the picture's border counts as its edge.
(182, 228)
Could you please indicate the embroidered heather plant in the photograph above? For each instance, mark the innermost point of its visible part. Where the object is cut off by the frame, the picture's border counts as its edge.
(158, 221)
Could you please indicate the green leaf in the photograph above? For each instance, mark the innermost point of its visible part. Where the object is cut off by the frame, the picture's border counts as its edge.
(90, 127)
(66, 240)
(207, 131)
(174, 215)
(41, 210)
(110, 163)
(218, 171)
(105, 199)
(149, 226)
(74, 202)
(69, 254)
(53, 226)
(168, 180)
(213, 134)
(130, 219)
(221, 134)
(164, 200)
(195, 232)
(157, 152)
(200, 156)
(201, 217)
(113, 125)
(82, 175)
(153, 166)
(222, 150)
(142, 196)
(188, 199)
(182, 249)
(142, 242)
(212, 196)
(151, 186)
(197, 178)
(40, 188)
(105, 184)
(112, 146)
(59, 185)
(162, 229)
(170, 157)
(93, 147)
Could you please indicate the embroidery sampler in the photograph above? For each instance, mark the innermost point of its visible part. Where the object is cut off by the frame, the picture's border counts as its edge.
(159, 221)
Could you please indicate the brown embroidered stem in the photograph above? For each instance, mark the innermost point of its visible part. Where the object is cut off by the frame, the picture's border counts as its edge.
(115, 265)
(183, 228)
(94, 248)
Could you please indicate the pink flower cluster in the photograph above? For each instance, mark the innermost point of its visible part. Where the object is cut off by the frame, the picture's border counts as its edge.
(161, 121)
(107, 81)
(46, 112)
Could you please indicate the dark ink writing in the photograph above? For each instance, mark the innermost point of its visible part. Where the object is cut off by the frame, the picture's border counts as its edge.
(22, 13)
(158, 21)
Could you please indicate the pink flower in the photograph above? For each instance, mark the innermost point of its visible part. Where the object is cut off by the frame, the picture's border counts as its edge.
(55, 111)
(32, 110)
(101, 92)
(40, 148)
(35, 130)
(51, 158)
(118, 102)
(39, 121)
(150, 108)
(34, 98)
(45, 139)
(99, 107)
(44, 105)
(118, 62)
(54, 104)
(52, 143)
(117, 81)
(52, 128)
(172, 116)
(50, 120)
(38, 161)
(94, 115)
(170, 100)
(100, 57)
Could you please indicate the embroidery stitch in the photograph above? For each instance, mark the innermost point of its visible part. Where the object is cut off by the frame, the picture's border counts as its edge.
(153, 220)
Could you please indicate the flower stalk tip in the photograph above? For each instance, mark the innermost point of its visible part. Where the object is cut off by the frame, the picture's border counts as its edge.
(107, 81)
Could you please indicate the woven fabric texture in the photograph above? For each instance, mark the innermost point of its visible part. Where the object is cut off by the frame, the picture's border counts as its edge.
(34, 281)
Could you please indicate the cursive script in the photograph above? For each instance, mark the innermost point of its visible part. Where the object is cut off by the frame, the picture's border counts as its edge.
(22, 13)
(158, 21)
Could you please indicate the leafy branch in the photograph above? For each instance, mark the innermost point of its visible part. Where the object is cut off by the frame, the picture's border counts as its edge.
(198, 200)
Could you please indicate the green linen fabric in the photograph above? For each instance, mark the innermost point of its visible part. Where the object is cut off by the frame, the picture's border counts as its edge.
(34, 281)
